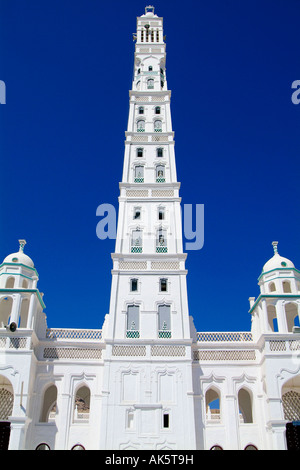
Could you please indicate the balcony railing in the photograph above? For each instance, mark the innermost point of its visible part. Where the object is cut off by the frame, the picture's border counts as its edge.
(161, 249)
(204, 337)
(132, 334)
(160, 180)
(164, 334)
(138, 180)
(136, 249)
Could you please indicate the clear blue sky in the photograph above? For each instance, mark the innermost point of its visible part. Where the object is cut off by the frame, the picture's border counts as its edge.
(68, 67)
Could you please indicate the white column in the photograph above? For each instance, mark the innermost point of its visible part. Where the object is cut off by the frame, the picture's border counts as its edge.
(231, 424)
(281, 317)
(15, 311)
(31, 310)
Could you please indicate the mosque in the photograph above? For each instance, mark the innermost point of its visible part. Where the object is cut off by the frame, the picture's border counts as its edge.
(148, 380)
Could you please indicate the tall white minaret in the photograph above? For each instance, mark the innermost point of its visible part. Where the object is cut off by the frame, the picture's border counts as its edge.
(146, 395)
(148, 295)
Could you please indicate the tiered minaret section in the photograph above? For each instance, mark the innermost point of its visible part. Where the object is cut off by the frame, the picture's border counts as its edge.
(148, 296)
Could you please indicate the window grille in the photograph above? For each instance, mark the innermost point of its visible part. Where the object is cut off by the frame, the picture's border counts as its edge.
(291, 405)
(6, 403)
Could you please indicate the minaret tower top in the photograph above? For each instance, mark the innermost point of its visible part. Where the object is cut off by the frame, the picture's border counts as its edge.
(149, 28)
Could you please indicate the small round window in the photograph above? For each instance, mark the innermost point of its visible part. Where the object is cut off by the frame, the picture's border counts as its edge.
(283, 263)
(15, 260)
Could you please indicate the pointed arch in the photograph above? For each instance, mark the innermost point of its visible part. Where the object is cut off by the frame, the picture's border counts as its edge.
(245, 405)
(49, 407)
(24, 313)
(10, 283)
(213, 404)
(291, 313)
(82, 401)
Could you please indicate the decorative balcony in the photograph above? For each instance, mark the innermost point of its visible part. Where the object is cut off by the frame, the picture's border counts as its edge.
(164, 334)
(140, 129)
(160, 180)
(132, 334)
(161, 249)
(136, 249)
(138, 180)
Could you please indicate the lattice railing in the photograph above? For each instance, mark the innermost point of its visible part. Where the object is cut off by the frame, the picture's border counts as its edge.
(224, 336)
(62, 333)
(282, 345)
(228, 355)
(72, 353)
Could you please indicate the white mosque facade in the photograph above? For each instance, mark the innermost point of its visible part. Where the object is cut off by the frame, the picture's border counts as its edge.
(148, 379)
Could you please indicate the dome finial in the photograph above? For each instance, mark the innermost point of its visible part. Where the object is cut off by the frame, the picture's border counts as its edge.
(22, 244)
(275, 247)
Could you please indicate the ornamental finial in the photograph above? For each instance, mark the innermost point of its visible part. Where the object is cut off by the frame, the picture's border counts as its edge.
(149, 9)
(22, 244)
(275, 247)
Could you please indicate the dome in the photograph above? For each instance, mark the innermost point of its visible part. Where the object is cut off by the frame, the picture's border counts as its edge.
(19, 256)
(277, 261)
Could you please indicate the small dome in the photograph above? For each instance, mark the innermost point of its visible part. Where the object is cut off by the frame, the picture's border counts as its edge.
(277, 261)
(19, 256)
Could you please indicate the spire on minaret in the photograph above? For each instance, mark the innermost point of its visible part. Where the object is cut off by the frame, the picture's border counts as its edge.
(22, 244)
(275, 247)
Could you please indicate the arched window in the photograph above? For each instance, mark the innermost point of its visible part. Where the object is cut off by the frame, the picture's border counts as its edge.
(213, 406)
(6, 399)
(291, 404)
(216, 447)
(157, 125)
(5, 311)
(245, 406)
(150, 83)
(160, 174)
(24, 284)
(157, 110)
(161, 241)
(272, 287)
(133, 321)
(141, 110)
(48, 411)
(150, 68)
(10, 283)
(140, 125)
(139, 174)
(137, 241)
(164, 321)
(292, 318)
(24, 313)
(286, 285)
(272, 318)
(250, 447)
(82, 405)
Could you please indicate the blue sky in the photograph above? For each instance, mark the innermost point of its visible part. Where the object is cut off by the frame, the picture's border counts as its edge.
(67, 66)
